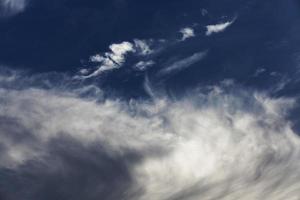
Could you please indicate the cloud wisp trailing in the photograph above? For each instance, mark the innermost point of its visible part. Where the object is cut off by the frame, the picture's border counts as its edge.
(143, 65)
(183, 63)
(217, 28)
(215, 143)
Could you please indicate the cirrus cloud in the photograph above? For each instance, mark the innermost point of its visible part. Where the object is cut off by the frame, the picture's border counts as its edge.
(216, 142)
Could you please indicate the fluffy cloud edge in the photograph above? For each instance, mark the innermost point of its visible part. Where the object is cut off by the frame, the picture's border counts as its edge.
(187, 33)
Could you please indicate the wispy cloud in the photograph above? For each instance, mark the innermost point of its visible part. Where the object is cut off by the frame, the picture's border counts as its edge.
(218, 144)
(143, 65)
(187, 33)
(142, 47)
(204, 12)
(259, 71)
(217, 28)
(11, 7)
(184, 63)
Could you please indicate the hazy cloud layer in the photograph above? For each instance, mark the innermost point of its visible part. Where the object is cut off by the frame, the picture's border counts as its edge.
(12, 7)
(216, 143)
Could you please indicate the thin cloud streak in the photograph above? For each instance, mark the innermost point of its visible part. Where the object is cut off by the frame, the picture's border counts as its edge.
(183, 64)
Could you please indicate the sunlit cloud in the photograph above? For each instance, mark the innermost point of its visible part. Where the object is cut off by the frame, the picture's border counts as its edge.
(111, 60)
(187, 33)
(217, 28)
(116, 57)
(215, 142)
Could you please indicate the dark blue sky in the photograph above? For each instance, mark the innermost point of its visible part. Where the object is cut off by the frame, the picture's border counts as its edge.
(61, 35)
(56, 35)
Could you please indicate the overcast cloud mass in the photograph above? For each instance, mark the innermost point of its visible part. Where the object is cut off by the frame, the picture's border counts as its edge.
(231, 143)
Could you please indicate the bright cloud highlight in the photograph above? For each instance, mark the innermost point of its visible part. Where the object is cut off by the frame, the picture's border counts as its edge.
(217, 28)
(215, 143)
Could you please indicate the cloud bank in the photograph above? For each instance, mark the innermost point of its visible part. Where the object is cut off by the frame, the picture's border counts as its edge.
(214, 143)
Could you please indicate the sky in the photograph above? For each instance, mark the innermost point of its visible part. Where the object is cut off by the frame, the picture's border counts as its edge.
(143, 100)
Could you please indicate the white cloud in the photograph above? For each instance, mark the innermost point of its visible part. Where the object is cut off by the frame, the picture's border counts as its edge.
(119, 51)
(142, 47)
(216, 28)
(215, 145)
(83, 71)
(12, 7)
(143, 65)
(110, 60)
(184, 63)
(117, 57)
(187, 33)
(97, 58)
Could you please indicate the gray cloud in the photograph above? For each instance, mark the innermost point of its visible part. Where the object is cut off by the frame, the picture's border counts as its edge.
(143, 65)
(216, 143)
(12, 7)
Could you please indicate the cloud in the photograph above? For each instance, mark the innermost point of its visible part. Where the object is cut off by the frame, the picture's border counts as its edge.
(217, 28)
(12, 7)
(204, 12)
(218, 142)
(184, 63)
(259, 71)
(143, 65)
(142, 47)
(115, 58)
(187, 33)
(109, 60)
(119, 51)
